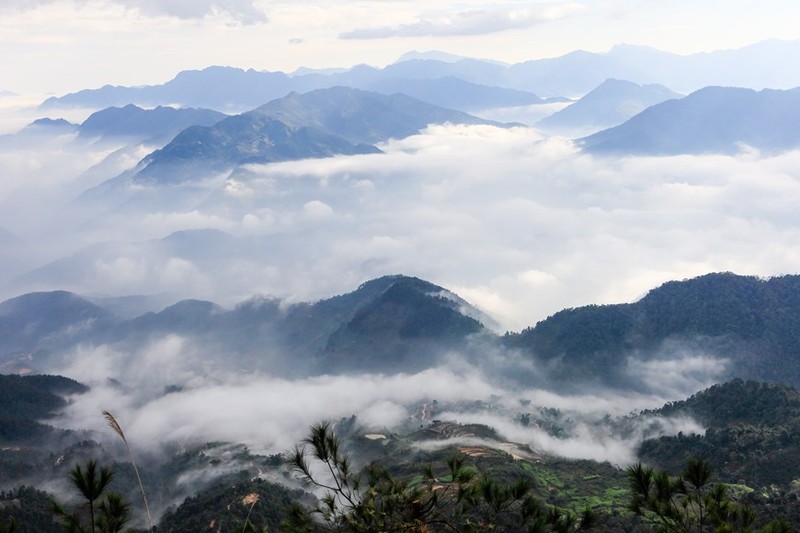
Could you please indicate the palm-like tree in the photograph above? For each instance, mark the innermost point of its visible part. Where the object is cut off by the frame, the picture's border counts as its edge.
(92, 483)
(114, 513)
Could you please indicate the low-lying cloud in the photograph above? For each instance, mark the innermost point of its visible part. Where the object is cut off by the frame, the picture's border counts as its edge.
(168, 392)
(519, 224)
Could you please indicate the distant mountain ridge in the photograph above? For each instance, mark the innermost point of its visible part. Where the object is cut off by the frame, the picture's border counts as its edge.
(711, 120)
(229, 89)
(609, 104)
(571, 75)
(161, 123)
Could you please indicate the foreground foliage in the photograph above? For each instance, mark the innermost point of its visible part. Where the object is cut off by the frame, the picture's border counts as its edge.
(690, 502)
(102, 511)
(232, 505)
(460, 500)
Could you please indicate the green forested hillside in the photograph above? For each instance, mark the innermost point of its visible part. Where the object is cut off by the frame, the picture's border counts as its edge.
(751, 322)
(752, 436)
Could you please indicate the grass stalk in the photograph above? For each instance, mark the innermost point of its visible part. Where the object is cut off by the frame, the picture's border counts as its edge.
(112, 422)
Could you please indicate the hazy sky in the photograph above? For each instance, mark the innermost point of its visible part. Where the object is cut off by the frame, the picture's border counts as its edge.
(57, 46)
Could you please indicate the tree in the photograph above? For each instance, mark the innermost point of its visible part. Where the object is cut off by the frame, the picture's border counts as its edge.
(373, 500)
(690, 502)
(107, 512)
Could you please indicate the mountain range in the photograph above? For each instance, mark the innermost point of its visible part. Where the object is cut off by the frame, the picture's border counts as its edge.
(158, 125)
(396, 323)
(321, 123)
(572, 75)
(125, 125)
(711, 120)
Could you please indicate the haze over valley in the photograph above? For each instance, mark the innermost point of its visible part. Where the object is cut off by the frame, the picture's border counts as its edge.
(553, 262)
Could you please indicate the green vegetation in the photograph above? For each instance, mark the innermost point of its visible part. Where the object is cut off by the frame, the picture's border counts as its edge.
(26, 510)
(748, 320)
(690, 502)
(232, 505)
(439, 472)
(102, 511)
(753, 433)
(374, 500)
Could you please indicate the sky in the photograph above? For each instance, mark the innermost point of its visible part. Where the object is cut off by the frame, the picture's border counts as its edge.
(60, 46)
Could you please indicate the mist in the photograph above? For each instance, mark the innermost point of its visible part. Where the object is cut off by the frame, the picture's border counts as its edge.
(519, 224)
(168, 393)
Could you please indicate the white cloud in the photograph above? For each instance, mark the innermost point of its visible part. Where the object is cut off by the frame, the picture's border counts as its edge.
(244, 11)
(316, 210)
(270, 414)
(518, 224)
(486, 20)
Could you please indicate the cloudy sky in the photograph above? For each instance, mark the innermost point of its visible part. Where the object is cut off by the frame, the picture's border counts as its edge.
(57, 46)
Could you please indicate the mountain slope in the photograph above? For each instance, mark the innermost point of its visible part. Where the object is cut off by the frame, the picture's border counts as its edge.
(392, 323)
(609, 104)
(242, 139)
(361, 116)
(409, 324)
(752, 433)
(45, 320)
(144, 124)
(711, 120)
(748, 325)
(574, 74)
(322, 123)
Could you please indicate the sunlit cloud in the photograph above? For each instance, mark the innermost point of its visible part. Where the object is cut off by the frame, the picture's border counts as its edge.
(470, 22)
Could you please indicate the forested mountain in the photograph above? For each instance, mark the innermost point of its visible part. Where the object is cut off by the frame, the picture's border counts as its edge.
(34, 397)
(749, 322)
(394, 323)
(753, 433)
(750, 431)
(740, 326)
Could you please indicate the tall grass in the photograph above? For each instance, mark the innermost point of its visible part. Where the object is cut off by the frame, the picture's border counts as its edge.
(112, 422)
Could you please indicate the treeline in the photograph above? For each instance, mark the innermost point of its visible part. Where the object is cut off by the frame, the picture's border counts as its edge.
(749, 320)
